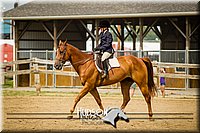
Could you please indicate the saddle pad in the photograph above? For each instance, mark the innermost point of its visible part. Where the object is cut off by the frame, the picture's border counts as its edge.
(113, 63)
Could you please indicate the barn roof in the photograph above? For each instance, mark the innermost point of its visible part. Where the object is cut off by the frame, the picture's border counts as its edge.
(100, 9)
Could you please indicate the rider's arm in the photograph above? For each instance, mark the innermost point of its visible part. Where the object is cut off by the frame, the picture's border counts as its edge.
(106, 41)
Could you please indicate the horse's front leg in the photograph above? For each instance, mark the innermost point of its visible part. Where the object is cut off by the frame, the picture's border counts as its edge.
(82, 93)
(96, 96)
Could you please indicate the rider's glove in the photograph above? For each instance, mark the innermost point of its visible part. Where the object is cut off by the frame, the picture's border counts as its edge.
(96, 49)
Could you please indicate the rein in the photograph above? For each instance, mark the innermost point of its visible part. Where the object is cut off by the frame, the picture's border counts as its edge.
(82, 61)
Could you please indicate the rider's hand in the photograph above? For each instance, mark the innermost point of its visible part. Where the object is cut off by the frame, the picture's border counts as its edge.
(96, 49)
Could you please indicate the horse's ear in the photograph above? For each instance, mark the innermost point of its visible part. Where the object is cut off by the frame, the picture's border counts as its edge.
(65, 43)
(60, 42)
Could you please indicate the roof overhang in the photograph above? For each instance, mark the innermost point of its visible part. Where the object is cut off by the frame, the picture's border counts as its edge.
(166, 14)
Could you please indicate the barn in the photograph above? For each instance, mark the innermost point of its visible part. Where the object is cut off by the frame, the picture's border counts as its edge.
(6, 52)
(38, 26)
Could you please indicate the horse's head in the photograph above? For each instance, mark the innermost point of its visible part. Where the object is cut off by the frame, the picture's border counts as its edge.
(61, 55)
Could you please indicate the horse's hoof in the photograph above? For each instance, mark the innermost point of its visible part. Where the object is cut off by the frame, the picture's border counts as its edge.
(70, 117)
(71, 110)
(151, 119)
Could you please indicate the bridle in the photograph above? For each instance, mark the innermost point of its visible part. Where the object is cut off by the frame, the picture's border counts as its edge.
(60, 60)
(62, 54)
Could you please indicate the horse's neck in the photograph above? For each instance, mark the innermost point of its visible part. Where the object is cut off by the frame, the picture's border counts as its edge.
(78, 58)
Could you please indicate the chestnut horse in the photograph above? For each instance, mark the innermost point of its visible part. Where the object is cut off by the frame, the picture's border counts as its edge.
(132, 69)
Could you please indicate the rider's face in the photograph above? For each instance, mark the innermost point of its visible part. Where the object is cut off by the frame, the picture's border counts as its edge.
(102, 29)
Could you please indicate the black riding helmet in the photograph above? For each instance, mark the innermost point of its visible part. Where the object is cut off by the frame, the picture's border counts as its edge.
(104, 23)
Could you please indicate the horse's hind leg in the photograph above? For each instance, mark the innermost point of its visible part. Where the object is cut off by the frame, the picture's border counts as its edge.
(96, 96)
(147, 96)
(125, 87)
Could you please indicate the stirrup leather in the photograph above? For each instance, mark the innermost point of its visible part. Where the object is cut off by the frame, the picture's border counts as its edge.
(105, 68)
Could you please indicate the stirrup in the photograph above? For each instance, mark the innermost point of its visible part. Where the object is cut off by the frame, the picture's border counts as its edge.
(104, 74)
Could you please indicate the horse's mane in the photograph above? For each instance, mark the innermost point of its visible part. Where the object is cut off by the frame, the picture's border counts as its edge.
(75, 49)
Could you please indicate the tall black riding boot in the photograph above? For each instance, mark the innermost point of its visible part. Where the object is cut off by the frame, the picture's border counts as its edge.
(105, 67)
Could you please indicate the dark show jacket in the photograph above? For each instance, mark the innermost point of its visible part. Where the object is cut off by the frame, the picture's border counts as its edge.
(106, 42)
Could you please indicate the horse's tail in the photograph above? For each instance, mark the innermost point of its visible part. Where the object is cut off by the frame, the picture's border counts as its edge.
(151, 84)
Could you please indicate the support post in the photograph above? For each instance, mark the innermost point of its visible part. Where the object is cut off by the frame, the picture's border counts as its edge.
(97, 33)
(93, 31)
(141, 37)
(14, 52)
(119, 38)
(122, 36)
(54, 49)
(134, 38)
(54, 36)
(15, 49)
(187, 47)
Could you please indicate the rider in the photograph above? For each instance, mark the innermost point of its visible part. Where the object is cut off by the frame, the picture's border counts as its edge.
(105, 45)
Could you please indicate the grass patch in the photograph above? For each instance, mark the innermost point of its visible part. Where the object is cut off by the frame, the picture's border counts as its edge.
(64, 94)
(33, 93)
(59, 94)
(51, 93)
(8, 83)
(18, 93)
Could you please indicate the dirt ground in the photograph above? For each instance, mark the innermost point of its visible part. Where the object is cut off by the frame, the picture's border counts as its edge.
(62, 104)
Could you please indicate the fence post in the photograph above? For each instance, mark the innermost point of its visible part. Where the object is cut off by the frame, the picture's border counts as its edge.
(54, 75)
(160, 57)
(30, 64)
(54, 78)
(2, 78)
(187, 47)
(37, 78)
(46, 81)
(36, 74)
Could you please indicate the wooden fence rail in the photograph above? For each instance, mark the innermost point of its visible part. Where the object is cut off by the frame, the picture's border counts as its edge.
(69, 73)
(164, 64)
(40, 63)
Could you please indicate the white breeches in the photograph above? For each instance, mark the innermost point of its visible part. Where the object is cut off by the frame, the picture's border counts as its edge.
(105, 56)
